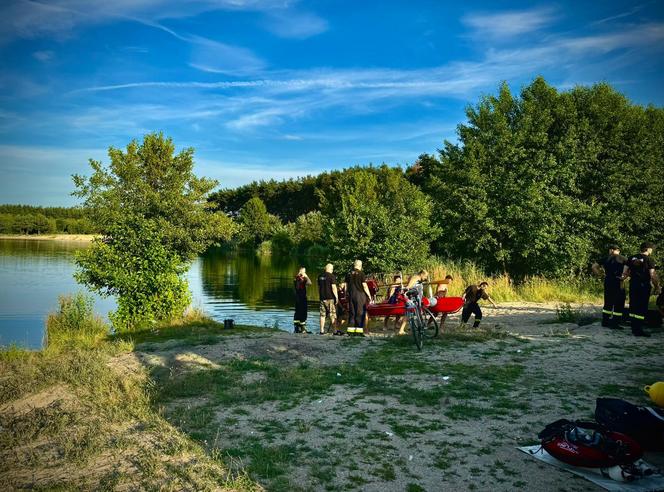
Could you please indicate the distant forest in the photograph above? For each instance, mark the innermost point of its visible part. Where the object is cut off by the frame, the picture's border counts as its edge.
(26, 219)
(538, 183)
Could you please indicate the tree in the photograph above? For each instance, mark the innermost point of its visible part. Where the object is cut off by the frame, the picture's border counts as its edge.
(541, 182)
(153, 213)
(376, 215)
(256, 224)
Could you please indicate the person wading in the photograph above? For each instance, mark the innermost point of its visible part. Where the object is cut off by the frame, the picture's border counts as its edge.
(329, 298)
(641, 271)
(472, 297)
(614, 286)
(357, 292)
(300, 317)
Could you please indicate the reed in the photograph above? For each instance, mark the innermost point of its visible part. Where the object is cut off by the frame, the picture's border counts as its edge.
(503, 288)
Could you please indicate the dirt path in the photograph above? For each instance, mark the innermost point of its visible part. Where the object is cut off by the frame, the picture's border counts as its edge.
(312, 412)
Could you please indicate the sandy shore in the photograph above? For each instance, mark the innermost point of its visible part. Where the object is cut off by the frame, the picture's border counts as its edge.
(311, 412)
(84, 238)
(447, 418)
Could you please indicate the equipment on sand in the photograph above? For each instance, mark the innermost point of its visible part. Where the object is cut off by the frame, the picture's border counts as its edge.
(589, 444)
(656, 392)
(644, 424)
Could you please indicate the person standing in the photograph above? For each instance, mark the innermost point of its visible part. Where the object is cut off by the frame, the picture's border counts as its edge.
(614, 287)
(357, 292)
(471, 297)
(300, 317)
(641, 271)
(329, 298)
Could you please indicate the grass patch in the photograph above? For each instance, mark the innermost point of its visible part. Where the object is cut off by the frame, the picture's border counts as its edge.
(73, 409)
(502, 288)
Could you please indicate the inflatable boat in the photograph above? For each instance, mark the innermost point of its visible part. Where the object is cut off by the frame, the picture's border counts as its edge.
(447, 305)
(589, 444)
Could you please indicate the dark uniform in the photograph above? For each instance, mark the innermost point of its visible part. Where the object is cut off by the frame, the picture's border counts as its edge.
(473, 295)
(300, 316)
(614, 290)
(357, 298)
(639, 289)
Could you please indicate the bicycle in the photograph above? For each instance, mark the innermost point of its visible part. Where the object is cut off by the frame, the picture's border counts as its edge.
(422, 322)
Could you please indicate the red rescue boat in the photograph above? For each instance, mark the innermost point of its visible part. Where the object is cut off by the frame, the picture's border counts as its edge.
(446, 305)
(589, 444)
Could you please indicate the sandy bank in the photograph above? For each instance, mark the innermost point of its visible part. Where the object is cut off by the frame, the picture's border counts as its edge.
(84, 238)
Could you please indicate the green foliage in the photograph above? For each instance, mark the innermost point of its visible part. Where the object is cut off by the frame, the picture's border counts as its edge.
(375, 214)
(133, 264)
(256, 224)
(26, 219)
(75, 322)
(287, 199)
(539, 184)
(309, 230)
(154, 215)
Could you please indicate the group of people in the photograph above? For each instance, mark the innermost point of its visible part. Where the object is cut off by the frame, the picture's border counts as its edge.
(352, 297)
(639, 269)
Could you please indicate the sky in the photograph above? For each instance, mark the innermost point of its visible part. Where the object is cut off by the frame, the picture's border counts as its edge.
(278, 88)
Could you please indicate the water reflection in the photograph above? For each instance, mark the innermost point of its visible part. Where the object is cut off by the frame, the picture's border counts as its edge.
(251, 289)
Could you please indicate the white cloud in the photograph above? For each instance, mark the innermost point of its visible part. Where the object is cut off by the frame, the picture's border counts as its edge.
(502, 25)
(59, 18)
(293, 24)
(212, 56)
(43, 56)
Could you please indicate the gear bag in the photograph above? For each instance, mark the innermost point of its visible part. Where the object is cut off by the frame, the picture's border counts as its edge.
(644, 424)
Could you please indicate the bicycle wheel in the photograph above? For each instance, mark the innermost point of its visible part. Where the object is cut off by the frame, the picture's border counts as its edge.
(431, 326)
(416, 329)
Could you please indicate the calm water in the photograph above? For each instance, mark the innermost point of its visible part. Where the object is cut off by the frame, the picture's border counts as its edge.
(249, 289)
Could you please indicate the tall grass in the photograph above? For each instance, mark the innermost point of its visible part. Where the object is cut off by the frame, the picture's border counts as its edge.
(503, 288)
(75, 322)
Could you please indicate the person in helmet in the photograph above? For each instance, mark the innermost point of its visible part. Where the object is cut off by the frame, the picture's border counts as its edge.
(641, 271)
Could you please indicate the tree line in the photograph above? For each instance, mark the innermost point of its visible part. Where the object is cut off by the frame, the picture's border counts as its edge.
(27, 219)
(537, 183)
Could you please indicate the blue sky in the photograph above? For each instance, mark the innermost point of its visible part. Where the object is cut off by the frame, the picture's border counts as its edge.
(277, 89)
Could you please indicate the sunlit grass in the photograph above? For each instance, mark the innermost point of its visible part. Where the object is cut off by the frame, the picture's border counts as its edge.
(503, 288)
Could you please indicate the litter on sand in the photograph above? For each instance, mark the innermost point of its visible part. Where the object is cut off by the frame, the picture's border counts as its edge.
(651, 483)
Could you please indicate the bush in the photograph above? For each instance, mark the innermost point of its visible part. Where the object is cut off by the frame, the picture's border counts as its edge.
(75, 320)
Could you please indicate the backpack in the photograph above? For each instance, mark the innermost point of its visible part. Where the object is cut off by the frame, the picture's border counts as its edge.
(644, 424)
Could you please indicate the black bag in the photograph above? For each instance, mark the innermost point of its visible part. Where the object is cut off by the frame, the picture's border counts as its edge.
(644, 424)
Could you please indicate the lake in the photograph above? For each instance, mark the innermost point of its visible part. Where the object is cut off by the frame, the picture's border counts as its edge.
(254, 290)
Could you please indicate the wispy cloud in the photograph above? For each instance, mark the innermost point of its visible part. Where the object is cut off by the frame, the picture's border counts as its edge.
(620, 15)
(287, 96)
(43, 56)
(505, 25)
(34, 19)
(294, 24)
(212, 56)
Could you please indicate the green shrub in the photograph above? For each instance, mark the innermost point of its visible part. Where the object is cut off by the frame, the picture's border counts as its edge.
(75, 320)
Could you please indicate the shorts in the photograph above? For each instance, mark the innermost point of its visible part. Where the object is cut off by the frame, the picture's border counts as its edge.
(328, 308)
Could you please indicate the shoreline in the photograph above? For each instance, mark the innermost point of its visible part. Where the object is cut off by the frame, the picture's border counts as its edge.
(50, 237)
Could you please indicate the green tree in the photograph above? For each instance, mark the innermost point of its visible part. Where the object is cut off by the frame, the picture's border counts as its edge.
(376, 215)
(541, 182)
(256, 224)
(153, 213)
(308, 229)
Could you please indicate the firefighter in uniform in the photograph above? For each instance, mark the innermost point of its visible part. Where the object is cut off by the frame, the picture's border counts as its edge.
(641, 270)
(614, 287)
